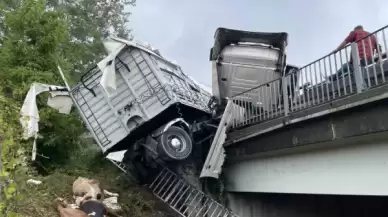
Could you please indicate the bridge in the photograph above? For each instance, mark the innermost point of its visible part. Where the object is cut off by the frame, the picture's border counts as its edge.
(314, 142)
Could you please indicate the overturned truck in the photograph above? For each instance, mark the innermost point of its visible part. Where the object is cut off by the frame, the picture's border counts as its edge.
(148, 116)
(142, 109)
(136, 100)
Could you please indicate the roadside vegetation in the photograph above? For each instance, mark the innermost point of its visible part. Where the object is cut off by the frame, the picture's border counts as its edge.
(36, 36)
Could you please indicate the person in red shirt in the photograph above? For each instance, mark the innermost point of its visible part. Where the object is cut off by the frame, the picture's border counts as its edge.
(368, 42)
(364, 40)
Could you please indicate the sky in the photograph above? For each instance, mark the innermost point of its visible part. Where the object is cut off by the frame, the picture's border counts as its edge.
(183, 30)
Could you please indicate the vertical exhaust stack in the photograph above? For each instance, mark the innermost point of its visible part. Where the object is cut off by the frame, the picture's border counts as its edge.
(241, 60)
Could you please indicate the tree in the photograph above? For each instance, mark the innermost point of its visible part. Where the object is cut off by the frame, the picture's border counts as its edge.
(35, 36)
(90, 21)
(30, 53)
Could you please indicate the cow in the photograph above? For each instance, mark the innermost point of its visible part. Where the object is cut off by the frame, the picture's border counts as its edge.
(87, 208)
(65, 211)
(87, 188)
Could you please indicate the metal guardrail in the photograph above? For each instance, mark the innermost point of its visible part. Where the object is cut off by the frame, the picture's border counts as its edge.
(180, 195)
(186, 199)
(329, 78)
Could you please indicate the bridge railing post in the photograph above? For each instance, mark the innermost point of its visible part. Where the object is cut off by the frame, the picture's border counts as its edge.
(357, 69)
(285, 95)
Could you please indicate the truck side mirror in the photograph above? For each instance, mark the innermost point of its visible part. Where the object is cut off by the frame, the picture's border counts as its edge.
(211, 54)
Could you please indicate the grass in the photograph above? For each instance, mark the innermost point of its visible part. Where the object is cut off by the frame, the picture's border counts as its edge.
(37, 199)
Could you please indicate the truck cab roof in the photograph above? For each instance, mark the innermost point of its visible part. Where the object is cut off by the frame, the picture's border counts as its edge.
(224, 37)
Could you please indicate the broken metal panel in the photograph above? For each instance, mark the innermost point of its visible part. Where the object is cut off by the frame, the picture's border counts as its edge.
(117, 156)
(29, 111)
(216, 155)
(29, 114)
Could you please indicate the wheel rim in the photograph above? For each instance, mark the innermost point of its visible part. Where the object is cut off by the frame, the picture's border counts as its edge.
(176, 143)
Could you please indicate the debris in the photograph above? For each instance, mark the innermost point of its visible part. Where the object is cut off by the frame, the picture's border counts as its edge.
(29, 112)
(117, 156)
(60, 101)
(112, 203)
(110, 194)
(107, 66)
(34, 182)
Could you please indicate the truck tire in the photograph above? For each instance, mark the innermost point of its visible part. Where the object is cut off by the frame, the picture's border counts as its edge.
(175, 144)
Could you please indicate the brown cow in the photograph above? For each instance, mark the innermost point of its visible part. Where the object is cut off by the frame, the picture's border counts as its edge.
(65, 211)
(89, 208)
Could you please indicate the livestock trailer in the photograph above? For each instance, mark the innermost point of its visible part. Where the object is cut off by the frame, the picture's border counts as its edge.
(137, 100)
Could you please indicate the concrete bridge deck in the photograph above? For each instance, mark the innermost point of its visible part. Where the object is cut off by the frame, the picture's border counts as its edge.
(325, 100)
(306, 140)
(334, 164)
(356, 115)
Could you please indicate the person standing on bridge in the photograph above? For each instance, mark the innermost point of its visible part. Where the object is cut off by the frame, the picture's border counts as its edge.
(369, 42)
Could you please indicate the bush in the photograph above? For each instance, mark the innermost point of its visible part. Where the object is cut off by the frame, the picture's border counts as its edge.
(34, 36)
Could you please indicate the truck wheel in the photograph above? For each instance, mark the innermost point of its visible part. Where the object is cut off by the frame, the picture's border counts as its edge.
(175, 144)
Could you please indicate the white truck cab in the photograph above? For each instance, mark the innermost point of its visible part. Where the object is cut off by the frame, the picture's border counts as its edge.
(242, 60)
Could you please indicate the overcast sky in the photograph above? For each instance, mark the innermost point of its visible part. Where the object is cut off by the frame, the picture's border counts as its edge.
(183, 30)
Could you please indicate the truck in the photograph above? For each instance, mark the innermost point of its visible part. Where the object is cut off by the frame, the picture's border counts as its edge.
(143, 111)
(138, 103)
(241, 61)
(251, 80)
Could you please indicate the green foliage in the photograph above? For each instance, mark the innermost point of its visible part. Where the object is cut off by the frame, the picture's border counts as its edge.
(30, 54)
(90, 21)
(29, 49)
(27, 53)
(13, 160)
(35, 36)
